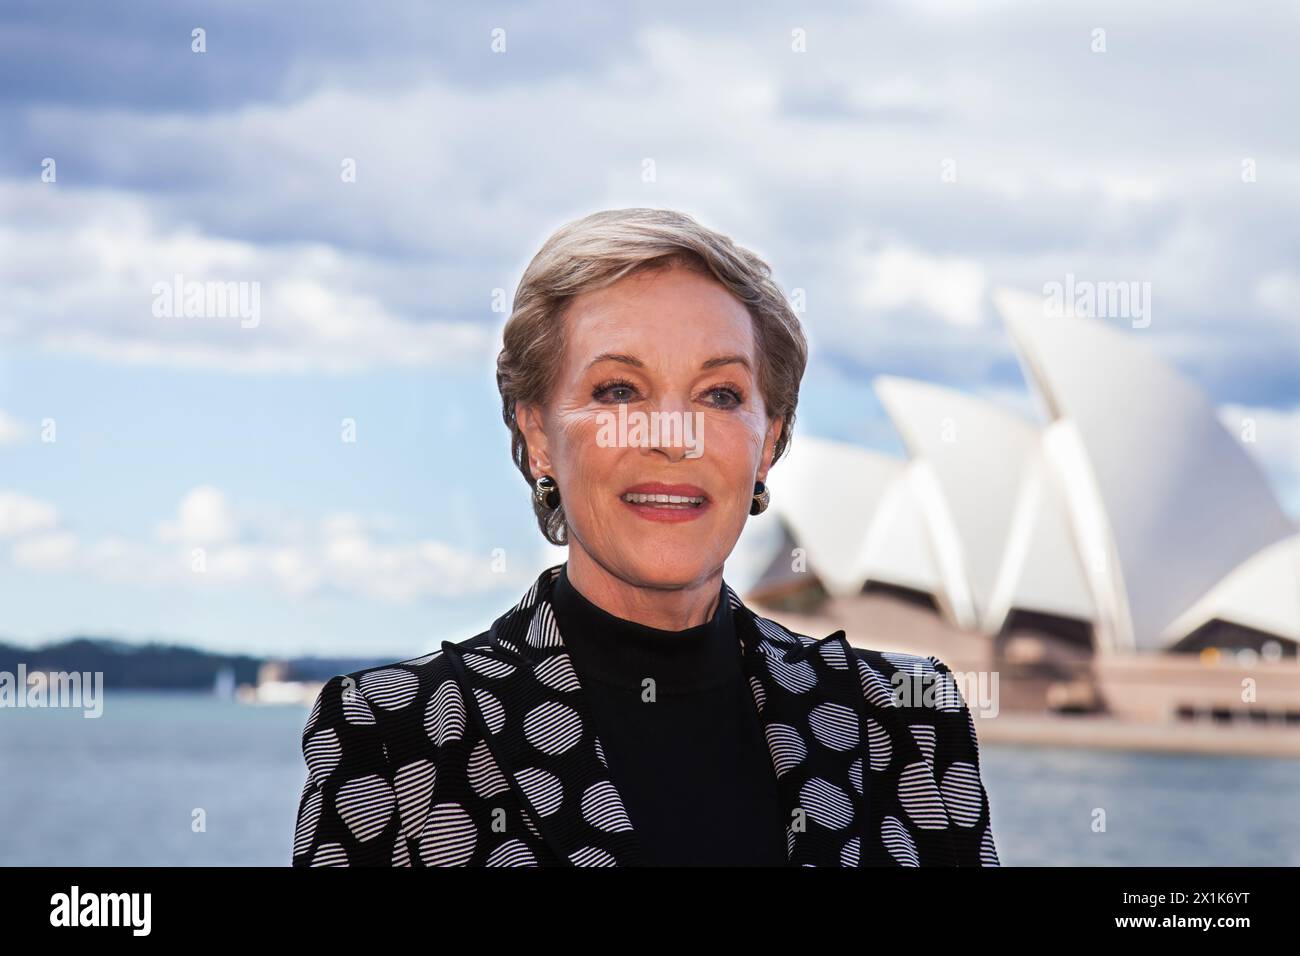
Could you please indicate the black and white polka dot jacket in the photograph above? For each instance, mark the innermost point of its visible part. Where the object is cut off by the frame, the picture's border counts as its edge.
(483, 753)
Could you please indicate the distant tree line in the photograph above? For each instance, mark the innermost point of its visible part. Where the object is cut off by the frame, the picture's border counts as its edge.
(164, 666)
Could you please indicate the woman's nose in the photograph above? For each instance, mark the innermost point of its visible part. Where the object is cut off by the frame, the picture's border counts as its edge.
(677, 431)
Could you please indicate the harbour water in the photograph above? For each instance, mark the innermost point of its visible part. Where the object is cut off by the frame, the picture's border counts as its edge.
(132, 787)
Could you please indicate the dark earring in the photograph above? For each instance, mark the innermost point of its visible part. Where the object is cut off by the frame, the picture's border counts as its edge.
(547, 493)
(762, 497)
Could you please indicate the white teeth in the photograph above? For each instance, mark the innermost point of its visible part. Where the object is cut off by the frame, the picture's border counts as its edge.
(677, 500)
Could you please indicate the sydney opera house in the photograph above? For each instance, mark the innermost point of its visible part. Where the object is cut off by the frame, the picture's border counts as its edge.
(1124, 555)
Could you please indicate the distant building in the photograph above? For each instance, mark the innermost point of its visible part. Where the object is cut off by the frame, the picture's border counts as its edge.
(1128, 552)
(275, 686)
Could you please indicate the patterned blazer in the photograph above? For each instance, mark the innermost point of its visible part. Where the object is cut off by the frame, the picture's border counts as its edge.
(483, 753)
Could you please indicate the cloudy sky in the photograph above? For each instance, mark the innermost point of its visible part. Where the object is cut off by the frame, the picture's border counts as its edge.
(896, 162)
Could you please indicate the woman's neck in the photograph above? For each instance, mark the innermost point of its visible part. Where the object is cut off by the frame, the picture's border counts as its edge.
(665, 608)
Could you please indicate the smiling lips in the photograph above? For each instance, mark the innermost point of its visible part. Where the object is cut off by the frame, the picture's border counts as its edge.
(656, 501)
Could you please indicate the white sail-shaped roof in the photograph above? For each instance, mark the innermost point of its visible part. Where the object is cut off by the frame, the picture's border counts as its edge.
(1166, 501)
(986, 462)
(897, 548)
(1041, 568)
(1263, 593)
(827, 493)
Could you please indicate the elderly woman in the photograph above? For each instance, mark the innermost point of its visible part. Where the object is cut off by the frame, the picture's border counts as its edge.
(630, 709)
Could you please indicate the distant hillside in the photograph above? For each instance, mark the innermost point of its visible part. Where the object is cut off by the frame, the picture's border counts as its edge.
(164, 666)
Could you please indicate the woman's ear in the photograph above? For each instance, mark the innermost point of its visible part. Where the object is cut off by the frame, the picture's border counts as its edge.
(769, 446)
(529, 419)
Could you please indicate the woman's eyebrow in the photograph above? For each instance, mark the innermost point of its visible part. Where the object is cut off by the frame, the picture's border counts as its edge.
(637, 363)
(617, 357)
(726, 360)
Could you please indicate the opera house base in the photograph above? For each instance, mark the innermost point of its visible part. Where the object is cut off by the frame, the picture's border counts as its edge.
(1243, 739)
(1053, 691)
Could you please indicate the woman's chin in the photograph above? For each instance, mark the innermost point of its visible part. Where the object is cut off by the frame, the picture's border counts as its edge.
(670, 566)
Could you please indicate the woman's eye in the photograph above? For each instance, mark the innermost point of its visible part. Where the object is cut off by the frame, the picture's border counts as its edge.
(616, 392)
(725, 397)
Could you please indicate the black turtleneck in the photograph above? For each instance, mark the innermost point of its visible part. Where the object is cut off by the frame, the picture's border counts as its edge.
(690, 761)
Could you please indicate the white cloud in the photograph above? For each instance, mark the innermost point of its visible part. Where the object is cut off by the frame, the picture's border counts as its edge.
(84, 279)
(46, 552)
(951, 288)
(21, 514)
(203, 516)
(210, 543)
(1279, 293)
(12, 431)
(1060, 169)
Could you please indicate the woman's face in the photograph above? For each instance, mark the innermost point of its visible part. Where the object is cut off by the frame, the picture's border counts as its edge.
(678, 350)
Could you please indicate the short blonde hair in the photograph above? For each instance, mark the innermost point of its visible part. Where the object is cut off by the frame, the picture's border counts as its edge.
(598, 250)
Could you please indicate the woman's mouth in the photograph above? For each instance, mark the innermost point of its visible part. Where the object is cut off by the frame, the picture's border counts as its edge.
(664, 501)
(666, 504)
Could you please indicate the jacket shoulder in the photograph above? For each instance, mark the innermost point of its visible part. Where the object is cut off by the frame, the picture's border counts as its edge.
(388, 687)
(916, 697)
(909, 680)
(924, 696)
(372, 735)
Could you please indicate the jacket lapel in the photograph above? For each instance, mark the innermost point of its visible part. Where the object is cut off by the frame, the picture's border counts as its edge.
(842, 748)
(804, 691)
(820, 713)
(522, 692)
